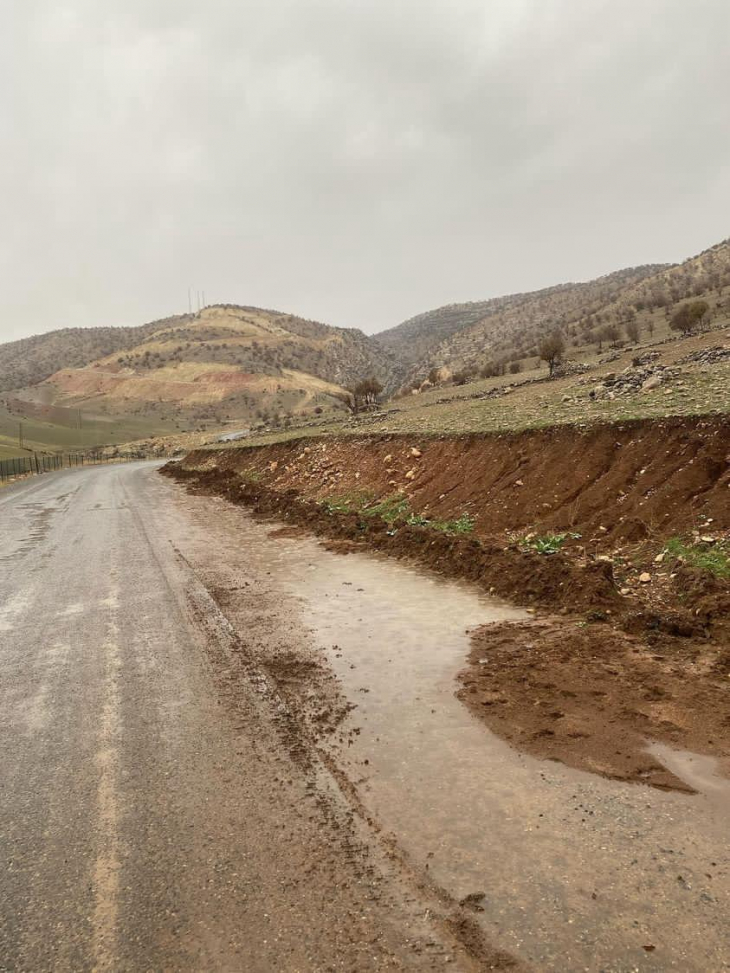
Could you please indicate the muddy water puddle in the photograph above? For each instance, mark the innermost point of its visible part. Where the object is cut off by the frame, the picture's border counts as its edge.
(568, 870)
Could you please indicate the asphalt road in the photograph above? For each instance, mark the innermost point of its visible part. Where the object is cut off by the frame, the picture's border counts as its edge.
(142, 825)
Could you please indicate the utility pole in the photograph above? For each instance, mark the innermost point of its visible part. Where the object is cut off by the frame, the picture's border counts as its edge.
(190, 302)
(20, 435)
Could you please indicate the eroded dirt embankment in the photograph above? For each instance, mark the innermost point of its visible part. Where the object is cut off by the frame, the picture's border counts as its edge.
(640, 650)
(613, 483)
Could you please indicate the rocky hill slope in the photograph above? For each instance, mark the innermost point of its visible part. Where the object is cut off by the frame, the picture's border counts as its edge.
(440, 333)
(414, 339)
(509, 329)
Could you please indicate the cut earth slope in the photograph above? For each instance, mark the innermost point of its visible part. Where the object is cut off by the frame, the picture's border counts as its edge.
(616, 536)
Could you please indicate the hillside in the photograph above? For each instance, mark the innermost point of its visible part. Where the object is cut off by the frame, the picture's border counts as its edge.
(32, 360)
(414, 339)
(463, 335)
(504, 332)
(248, 368)
(226, 363)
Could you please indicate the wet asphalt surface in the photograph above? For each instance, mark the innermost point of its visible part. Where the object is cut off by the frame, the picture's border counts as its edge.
(100, 842)
(141, 828)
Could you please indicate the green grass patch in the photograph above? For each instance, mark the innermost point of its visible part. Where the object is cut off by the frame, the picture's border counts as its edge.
(391, 510)
(462, 525)
(394, 511)
(337, 505)
(548, 543)
(713, 558)
(346, 503)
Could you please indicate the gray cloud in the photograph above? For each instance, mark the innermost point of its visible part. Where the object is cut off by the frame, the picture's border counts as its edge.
(356, 161)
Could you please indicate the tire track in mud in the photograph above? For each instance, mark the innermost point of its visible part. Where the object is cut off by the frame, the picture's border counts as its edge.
(232, 662)
(107, 866)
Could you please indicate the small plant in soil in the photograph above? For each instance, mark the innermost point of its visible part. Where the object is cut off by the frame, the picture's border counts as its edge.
(390, 510)
(395, 510)
(346, 503)
(548, 543)
(337, 505)
(713, 558)
(462, 525)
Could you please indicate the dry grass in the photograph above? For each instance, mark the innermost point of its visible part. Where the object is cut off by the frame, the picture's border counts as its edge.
(698, 390)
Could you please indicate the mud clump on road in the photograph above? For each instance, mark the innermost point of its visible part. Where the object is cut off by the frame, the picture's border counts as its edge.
(632, 645)
(591, 696)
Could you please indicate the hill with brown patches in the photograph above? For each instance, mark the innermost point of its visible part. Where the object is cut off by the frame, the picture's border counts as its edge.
(223, 363)
(32, 360)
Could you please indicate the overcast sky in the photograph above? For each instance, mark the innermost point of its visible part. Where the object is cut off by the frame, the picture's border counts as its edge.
(354, 161)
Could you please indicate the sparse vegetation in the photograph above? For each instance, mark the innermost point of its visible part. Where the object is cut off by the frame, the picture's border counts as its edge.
(394, 511)
(390, 510)
(551, 350)
(548, 543)
(462, 525)
(706, 556)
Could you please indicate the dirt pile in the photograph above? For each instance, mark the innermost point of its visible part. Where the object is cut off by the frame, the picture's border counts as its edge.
(591, 695)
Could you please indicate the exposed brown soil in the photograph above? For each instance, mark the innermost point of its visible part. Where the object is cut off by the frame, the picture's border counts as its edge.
(626, 662)
(614, 484)
(593, 696)
(509, 572)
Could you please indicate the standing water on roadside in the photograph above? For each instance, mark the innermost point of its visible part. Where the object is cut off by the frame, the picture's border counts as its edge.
(565, 869)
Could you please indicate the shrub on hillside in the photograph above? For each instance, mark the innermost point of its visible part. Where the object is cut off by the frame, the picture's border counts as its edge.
(689, 316)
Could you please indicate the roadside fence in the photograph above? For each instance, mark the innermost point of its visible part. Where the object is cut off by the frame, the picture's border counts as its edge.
(37, 463)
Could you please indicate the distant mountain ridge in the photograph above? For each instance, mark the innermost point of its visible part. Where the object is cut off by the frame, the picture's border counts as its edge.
(240, 363)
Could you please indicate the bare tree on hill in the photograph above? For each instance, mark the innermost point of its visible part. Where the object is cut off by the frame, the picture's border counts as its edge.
(367, 391)
(627, 316)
